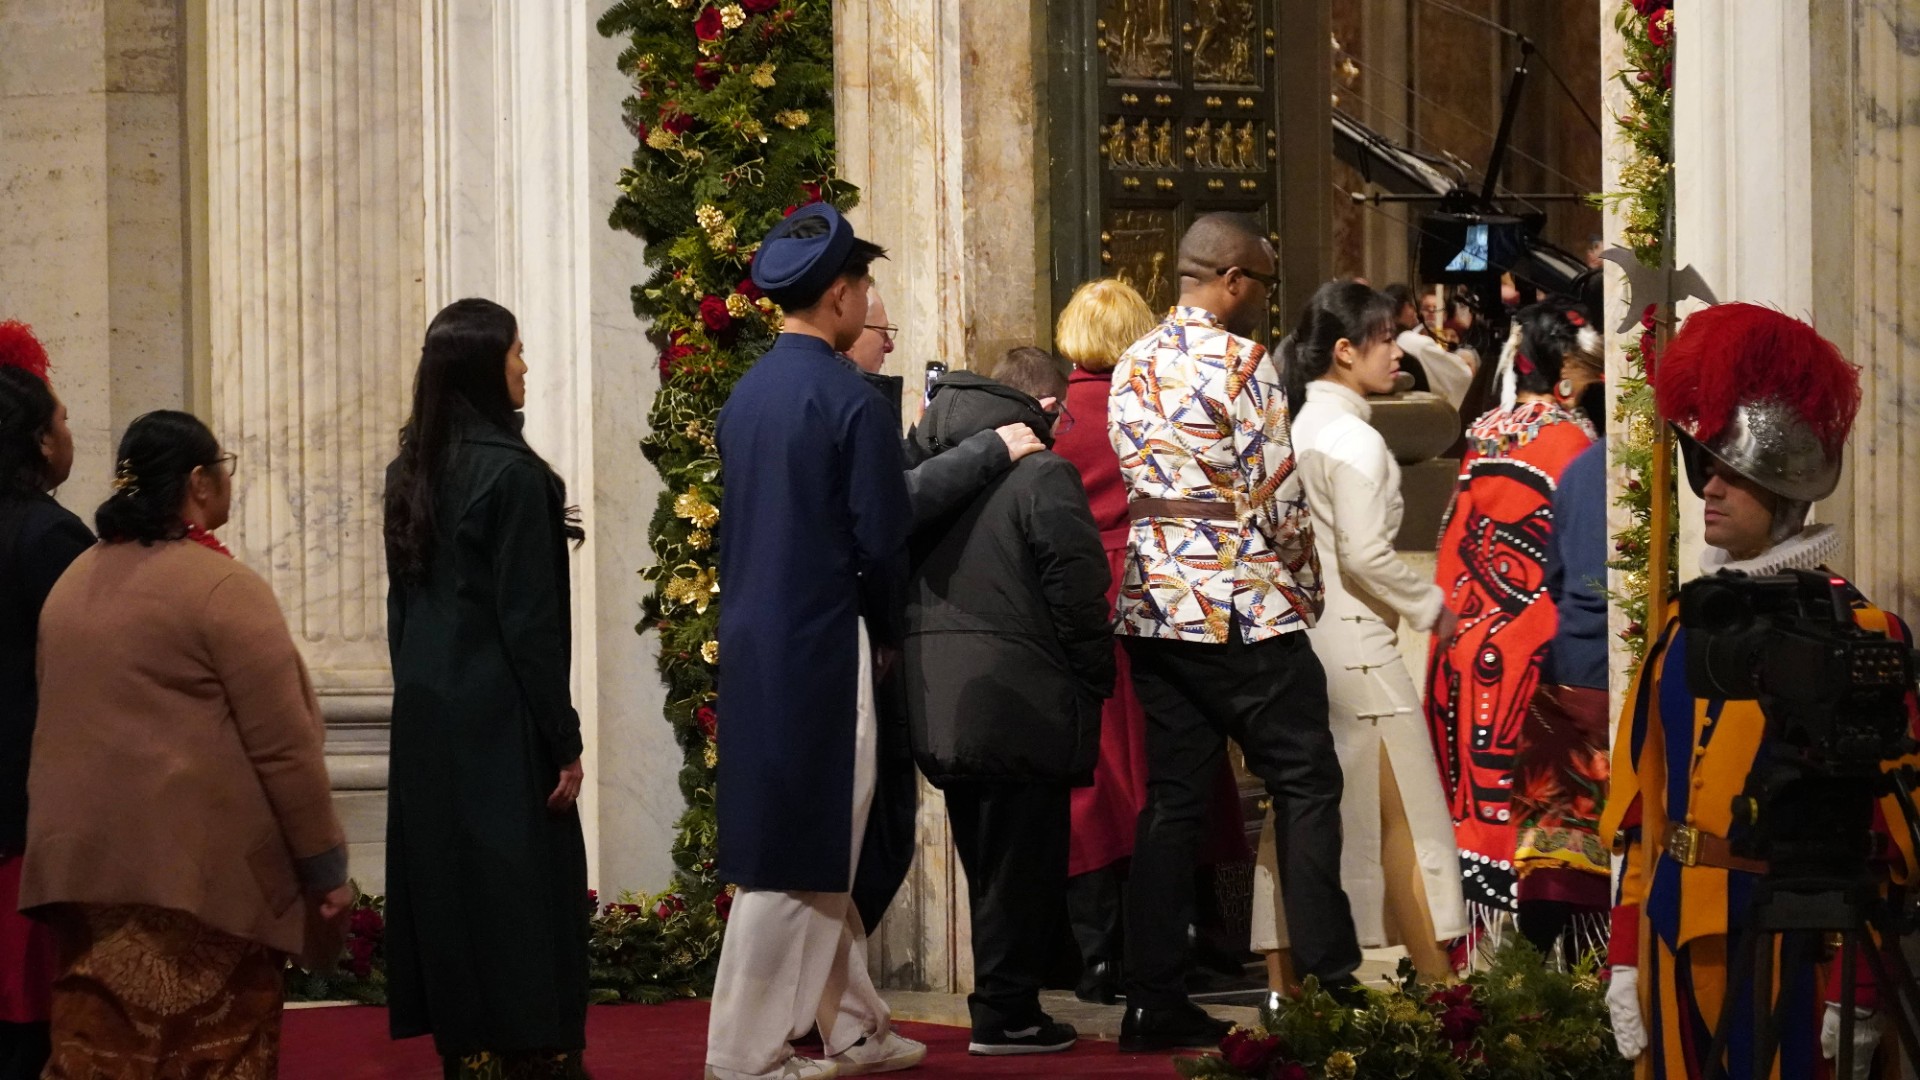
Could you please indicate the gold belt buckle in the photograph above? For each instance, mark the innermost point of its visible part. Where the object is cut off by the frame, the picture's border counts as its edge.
(1683, 844)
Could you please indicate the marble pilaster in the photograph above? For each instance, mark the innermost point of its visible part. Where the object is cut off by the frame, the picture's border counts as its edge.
(525, 141)
(315, 307)
(1884, 125)
(935, 108)
(93, 211)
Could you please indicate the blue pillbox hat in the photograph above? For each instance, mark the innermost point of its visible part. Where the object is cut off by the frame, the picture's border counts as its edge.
(802, 255)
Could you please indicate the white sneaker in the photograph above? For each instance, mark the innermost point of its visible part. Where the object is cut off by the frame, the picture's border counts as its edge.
(888, 1054)
(794, 1068)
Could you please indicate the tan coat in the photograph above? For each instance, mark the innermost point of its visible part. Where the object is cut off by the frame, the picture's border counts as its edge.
(177, 757)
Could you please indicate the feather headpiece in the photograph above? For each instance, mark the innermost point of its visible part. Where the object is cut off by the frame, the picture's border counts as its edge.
(1736, 354)
(20, 349)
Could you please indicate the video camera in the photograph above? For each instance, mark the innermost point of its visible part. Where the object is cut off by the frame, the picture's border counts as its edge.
(1835, 700)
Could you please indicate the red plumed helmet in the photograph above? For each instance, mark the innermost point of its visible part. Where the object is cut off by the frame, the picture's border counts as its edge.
(1762, 392)
(20, 349)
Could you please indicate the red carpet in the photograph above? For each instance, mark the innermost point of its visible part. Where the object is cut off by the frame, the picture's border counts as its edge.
(653, 1042)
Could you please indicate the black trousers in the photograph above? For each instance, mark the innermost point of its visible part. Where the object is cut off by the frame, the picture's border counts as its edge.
(1271, 698)
(1012, 842)
(1093, 909)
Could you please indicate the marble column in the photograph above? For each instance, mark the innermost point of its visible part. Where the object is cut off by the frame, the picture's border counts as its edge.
(93, 211)
(315, 307)
(1763, 193)
(525, 141)
(1884, 124)
(1615, 155)
(935, 108)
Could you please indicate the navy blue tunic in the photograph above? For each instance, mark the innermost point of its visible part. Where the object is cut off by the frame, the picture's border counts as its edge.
(813, 531)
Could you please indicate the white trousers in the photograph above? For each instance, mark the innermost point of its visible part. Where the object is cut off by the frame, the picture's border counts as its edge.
(791, 960)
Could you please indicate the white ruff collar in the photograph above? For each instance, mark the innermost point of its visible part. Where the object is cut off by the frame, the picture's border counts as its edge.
(1808, 549)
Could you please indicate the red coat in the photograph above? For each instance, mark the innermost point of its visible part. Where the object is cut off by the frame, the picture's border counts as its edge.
(1105, 815)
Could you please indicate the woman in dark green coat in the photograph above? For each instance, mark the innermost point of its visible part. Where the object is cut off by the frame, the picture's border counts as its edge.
(487, 908)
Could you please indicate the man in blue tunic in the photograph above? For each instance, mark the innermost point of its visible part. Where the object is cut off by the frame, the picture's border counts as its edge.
(813, 529)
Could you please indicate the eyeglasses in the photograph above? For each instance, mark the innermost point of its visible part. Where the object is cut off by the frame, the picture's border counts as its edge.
(1062, 419)
(228, 464)
(888, 331)
(1269, 280)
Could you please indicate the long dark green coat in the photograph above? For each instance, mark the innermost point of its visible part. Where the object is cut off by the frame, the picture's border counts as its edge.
(487, 916)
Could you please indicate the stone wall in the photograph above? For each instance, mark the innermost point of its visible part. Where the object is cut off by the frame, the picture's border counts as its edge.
(93, 249)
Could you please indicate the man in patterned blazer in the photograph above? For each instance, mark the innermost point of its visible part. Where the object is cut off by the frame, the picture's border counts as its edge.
(1220, 574)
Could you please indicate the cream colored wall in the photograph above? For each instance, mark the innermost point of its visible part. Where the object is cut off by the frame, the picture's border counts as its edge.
(93, 241)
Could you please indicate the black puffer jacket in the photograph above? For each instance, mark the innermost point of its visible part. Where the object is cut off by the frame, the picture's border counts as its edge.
(1009, 641)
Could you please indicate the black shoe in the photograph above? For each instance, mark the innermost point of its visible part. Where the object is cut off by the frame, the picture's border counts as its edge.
(1045, 1036)
(1350, 993)
(1170, 1029)
(1099, 984)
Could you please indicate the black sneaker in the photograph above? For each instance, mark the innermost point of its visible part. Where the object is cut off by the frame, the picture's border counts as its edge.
(1048, 1036)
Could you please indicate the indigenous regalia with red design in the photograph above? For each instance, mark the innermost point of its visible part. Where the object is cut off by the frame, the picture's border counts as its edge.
(1492, 566)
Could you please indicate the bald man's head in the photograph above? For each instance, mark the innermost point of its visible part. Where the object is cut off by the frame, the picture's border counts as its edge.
(1217, 241)
(1228, 268)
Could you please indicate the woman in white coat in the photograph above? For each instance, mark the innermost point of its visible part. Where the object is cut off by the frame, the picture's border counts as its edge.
(1398, 862)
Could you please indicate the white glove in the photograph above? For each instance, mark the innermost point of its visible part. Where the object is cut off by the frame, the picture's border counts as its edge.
(1867, 1029)
(1623, 1005)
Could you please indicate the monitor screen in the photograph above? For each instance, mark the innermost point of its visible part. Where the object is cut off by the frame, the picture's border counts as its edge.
(1467, 247)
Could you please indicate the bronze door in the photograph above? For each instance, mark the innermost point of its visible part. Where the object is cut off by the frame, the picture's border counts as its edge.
(1182, 108)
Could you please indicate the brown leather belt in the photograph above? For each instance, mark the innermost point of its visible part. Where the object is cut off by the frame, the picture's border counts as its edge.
(1180, 508)
(1688, 846)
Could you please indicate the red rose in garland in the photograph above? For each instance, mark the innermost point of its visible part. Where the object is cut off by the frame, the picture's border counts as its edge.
(707, 73)
(1659, 32)
(723, 904)
(1647, 341)
(759, 7)
(677, 350)
(1460, 1019)
(708, 720)
(1248, 1053)
(708, 26)
(1651, 8)
(673, 120)
(713, 312)
(1291, 1070)
(749, 290)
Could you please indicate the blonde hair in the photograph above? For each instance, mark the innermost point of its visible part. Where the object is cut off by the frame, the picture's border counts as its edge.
(1104, 318)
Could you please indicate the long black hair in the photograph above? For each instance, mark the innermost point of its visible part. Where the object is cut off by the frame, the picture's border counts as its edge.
(1339, 309)
(26, 415)
(463, 367)
(157, 456)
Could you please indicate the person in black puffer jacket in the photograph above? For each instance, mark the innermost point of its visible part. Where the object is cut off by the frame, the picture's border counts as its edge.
(1009, 653)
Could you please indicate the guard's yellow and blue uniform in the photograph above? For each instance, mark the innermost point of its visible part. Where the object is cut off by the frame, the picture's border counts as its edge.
(1680, 760)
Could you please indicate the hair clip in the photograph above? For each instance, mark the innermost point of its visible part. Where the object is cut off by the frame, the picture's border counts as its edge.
(1521, 364)
(1574, 318)
(124, 481)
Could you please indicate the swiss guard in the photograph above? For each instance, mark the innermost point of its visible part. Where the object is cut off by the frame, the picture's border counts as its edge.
(1762, 406)
(813, 528)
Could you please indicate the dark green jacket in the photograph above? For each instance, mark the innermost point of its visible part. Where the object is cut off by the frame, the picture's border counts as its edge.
(487, 911)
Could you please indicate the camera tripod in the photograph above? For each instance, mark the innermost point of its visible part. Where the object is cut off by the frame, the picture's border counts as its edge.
(1800, 909)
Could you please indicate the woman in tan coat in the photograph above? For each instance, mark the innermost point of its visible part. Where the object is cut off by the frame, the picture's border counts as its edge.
(180, 827)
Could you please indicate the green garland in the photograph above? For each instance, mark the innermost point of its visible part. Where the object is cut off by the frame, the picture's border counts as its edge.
(1518, 1020)
(733, 110)
(1646, 200)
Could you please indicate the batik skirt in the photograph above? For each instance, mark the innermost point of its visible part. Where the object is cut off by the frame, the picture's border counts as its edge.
(145, 992)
